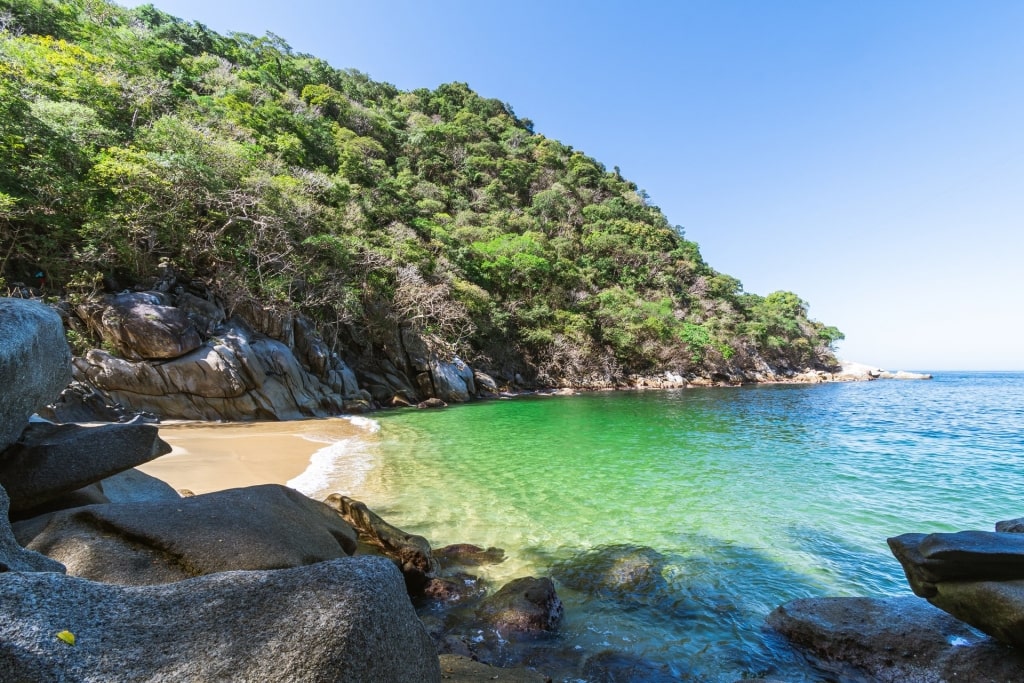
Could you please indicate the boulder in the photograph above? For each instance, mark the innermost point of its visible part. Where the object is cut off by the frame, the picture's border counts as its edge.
(524, 605)
(258, 527)
(457, 587)
(1011, 526)
(13, 557)
(135, 486)
(628, 573)
(485, 384)
(432, 403)
(411, 553)
(460, 669)
(893, 640)
(51, 460)
(80, 402)
(963, 556)
(344, 620)
(453, 382)
(140, 325)
(35, 363)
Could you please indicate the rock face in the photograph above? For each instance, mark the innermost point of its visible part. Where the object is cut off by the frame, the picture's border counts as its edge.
(34, 363)
(453, 382)
(15, 558)
(410, 552)
(142, 326)
(343, 620)
(258, 527)
(977, 576)
(894, 640)
(51, 460)
(523, 605)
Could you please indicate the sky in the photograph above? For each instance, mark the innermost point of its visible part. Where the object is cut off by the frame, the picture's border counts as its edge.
(868, 155)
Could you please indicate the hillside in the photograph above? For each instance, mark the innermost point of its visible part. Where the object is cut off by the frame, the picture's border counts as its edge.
(133, 143)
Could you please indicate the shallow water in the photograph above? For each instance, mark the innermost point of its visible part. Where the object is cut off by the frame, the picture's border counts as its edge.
(747, 498)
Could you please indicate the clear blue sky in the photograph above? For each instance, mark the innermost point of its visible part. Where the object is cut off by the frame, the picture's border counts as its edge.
(867, 155)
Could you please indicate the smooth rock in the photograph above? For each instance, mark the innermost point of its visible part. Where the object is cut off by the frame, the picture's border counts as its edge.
(140, 325)
(35, 363)
(453, 382)
(523, 605)
(52, 460)
(894, 640)
(15, 558)
(258, 527)
(1011, 526)
(460, 669)
(135, 486)
(343, 620)
(962, 556)
(411, 553)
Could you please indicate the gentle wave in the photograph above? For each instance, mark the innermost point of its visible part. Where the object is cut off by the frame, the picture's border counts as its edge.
(340, 467)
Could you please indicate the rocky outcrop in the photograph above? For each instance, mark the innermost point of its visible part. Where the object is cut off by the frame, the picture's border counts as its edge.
(893, 640)
(34, 363)
(454, 381)
(411, 553)
(258, 527)
(977, 576)
(343, 620)
(141, 325)
(51, 460)
(524, 605)
(13, 557)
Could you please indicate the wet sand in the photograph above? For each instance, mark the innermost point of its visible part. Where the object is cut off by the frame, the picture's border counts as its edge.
(211, 457)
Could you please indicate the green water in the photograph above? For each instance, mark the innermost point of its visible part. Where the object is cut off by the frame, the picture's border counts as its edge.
(748, 498)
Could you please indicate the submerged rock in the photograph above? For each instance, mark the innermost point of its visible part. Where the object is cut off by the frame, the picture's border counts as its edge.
(467, 555)
(343, 620)
(460, 669)
(894, 640)
(161, 541)
(35, 363)
(623, 572)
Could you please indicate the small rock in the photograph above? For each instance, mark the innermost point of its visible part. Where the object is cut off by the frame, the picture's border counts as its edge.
(432, 403)
(523, 605)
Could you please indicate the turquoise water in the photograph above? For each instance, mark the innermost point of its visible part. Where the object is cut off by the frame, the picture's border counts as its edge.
(740, 499)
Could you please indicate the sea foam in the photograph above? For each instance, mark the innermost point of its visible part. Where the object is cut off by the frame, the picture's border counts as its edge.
(342, 465)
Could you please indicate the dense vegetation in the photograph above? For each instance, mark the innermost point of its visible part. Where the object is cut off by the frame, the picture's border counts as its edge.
(132, 141)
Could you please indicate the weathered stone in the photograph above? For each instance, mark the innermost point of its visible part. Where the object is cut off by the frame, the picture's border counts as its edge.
(460, 669)
(410, 552)
(432, 403)
(51, 460)
(467, 554)
(1011, 526)
(523, 605)
(35, 363)
(993, 607)
(343, 620)
(485, 384)
(962, 556)
(452, 588)
(80, 402)
(894, 640)
(15, 558)
(259, 527)
(140, 325)
(453, 382)
(135, 486)
(623, 572)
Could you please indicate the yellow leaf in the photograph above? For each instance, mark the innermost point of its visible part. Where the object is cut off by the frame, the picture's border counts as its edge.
(67, 636)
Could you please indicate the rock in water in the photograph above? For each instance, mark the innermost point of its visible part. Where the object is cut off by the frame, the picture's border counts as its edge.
(15, 558)
(343, 620)
(258, 527)
(894, 640)
(51, 460)
(523, 605)
(35, 363)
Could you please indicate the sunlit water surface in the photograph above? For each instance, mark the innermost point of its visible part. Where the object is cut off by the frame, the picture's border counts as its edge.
(745, 498)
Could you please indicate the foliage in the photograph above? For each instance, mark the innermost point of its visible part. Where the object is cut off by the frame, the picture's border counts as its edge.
(131, 140)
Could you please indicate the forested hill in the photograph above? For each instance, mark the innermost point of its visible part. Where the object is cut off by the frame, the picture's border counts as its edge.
(132, 142)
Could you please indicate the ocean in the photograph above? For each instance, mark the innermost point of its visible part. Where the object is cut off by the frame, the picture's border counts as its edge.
(730, 501)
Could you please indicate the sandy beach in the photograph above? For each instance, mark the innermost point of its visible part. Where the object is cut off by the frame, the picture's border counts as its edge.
(211, 457)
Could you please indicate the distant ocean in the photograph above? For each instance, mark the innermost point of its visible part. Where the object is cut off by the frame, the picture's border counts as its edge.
(743, 499)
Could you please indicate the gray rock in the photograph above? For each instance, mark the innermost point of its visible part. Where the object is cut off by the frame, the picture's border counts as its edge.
(1011, 526)
(140, 325)
(135, 486)
(52, 460)
(15, 558)
(894, 640)
(468, 555)
(523, 605)
(485, 384)
(459, 669)
(80, 402)
(35, 363)
(962, 556)
(453, 382)
(411, 553)
(258, 527)
(343, 620)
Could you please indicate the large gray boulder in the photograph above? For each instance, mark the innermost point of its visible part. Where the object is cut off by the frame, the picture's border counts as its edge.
(453, 382)
(35, 363)
(977, 576)
(140, 325)
(53, 460)
(894, 640)
(160, 541)
(15, 558)
(343, 620)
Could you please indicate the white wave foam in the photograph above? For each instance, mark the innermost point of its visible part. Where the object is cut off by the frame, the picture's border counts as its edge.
(340, 467)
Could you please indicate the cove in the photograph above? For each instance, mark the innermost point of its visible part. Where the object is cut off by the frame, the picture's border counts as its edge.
(730, 501)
